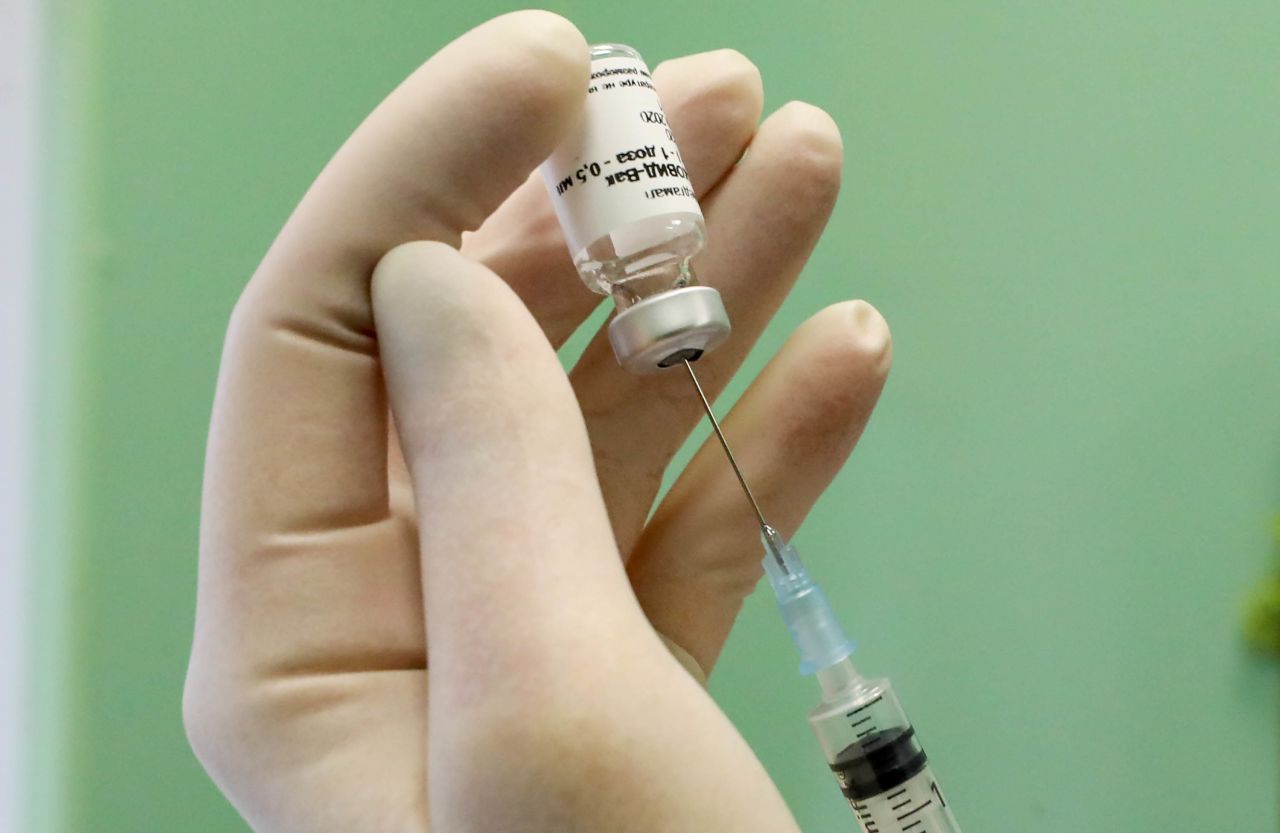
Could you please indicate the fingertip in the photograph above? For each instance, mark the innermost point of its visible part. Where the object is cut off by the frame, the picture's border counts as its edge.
(551, 51)
(405, 260)
(814, 132)
(727, 81)
(462, 356)
(428, 296)
(856, 334)
(714, 101)
(813, 151)
(830, 372)
(543, 28)
(401, 271)
(482, 113)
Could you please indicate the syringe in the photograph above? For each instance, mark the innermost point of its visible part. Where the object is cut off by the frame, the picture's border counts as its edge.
(870, 745)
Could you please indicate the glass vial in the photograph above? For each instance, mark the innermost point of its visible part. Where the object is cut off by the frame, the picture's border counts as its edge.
(630, 219)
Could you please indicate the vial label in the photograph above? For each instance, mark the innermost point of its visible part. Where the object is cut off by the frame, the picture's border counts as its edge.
(620, 163)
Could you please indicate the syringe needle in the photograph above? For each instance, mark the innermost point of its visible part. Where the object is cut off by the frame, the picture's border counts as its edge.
(769, 532)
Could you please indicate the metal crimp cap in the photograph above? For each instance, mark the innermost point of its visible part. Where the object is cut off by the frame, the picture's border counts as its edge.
(659, 332)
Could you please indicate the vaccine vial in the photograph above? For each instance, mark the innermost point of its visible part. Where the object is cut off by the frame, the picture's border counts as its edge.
(630, 219)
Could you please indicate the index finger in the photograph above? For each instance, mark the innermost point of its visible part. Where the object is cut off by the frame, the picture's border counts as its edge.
(299, 437)
(298, 538)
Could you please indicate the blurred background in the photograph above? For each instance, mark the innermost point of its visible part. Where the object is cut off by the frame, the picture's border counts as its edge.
(1047, 538)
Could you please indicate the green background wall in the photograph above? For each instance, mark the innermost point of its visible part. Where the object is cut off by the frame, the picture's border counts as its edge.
(1066, 211)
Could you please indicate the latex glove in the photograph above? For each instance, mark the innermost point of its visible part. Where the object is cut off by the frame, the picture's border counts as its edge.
(469, 641)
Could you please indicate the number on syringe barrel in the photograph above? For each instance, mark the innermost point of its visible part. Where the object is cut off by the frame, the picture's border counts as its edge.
(886, 779)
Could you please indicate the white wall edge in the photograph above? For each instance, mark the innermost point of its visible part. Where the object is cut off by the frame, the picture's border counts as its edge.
(20, 57)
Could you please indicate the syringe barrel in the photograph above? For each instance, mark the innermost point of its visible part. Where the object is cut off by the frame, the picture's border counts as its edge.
(878, 761)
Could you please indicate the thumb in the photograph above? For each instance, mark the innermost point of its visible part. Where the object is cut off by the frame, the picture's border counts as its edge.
(517, 552)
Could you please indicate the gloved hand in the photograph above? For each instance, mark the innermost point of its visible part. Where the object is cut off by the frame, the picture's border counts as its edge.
(429, 597)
